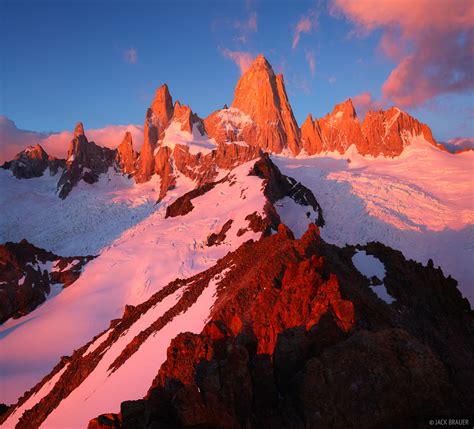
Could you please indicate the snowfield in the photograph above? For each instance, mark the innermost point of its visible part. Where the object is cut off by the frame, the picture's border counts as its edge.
(421, 203)
(88, 220)
(146, 257)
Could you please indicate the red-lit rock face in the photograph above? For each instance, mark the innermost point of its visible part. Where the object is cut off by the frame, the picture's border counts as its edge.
(126, 156)
(260, 96)
(157, 119)
(387, 132)
(383, 133)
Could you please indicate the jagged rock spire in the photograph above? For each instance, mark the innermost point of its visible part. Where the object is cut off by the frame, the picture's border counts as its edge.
(262, 95)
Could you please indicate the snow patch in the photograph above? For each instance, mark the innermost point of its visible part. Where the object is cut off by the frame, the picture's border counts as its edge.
(370, 266)
(196, 142)
(297, 217)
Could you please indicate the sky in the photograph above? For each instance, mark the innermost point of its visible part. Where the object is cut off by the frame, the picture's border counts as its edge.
(101, 61)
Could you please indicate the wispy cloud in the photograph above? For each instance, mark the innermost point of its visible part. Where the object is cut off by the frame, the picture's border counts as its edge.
(241, 58)
(130, 56)
(332, 79)
(306, 24)
(311, 61)
(246, 28)
(431, 42)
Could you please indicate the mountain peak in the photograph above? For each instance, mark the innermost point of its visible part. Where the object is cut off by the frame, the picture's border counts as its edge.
(79, 130)
(346, 107)
(162, 103)
(262, 96)
(261, 61)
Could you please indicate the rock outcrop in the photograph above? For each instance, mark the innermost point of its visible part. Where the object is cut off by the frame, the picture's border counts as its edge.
(28, 273)
(85, 161)
(157, 119)
(260, 113)
(32, 162)
(126, 156)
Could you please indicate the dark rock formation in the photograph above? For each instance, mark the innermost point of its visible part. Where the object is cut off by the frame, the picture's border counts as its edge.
(85, 161)
(32, 162)
(27, 274)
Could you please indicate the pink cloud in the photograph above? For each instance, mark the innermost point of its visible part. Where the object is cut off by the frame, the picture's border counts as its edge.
(130, 55)
(245, 28)
(311, 61)
(364, 102)
(431, 41)
(459, 143)
(304, 25)
(15, 139)
(242, 59)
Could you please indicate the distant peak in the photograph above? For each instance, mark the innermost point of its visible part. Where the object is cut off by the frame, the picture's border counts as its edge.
(79, 130)
(345, 107)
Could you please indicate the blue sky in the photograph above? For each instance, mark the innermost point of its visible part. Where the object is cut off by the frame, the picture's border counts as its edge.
(101, 61)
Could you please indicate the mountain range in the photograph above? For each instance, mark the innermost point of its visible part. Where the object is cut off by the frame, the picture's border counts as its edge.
(239, 271)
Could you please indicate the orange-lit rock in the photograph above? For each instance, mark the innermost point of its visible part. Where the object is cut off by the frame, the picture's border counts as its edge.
(126, 157)
(157, 119)
(387, 132)
(268, 120)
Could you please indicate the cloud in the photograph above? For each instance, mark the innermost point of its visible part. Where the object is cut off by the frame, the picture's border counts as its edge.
(14, 139)
(130, 56)
(332, 79)
(364, 102)
(311, 61)
(249, 25)
(305, 25)
(459, 143)
(242, 59)
(432, 43)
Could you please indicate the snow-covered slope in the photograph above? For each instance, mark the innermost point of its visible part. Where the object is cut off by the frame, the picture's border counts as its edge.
(88, 220)
(421, 203)
(143, 259)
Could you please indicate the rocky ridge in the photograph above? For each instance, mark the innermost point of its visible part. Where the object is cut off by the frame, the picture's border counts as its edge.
(287, 344)
(383, 133)
(32, 162)
(260, 119)
(291, 333)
